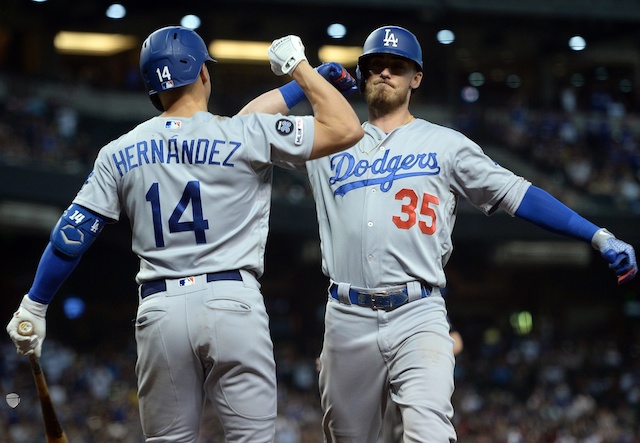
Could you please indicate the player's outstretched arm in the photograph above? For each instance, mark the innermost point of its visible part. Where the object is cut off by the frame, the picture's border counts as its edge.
(544, 210)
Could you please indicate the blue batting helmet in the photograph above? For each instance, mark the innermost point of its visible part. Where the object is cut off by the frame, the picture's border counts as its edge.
(171, 57)
(389, 40)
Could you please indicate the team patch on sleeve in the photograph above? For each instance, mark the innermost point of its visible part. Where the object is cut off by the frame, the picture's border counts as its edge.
(284, 126)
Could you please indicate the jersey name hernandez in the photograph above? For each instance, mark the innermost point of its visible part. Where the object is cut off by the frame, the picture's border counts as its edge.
(193, 151)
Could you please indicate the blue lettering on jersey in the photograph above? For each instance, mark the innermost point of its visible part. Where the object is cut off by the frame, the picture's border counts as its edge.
(157, 151)
(172, 147)
(202, 146)
(235, 146)
(214, 151)
(382, 171)
(142, 149)
(188, 151)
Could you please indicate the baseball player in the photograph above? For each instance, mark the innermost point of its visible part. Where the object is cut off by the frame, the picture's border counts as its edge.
(197, 190)
(386, 209)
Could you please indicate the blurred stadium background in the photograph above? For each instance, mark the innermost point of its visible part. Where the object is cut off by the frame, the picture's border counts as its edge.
(550, 89)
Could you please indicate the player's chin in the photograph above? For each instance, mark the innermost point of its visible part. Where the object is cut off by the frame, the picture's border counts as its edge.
(378, 93)
(382, 99)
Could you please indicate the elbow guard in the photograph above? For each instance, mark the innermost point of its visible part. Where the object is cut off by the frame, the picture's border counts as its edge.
(76, 231)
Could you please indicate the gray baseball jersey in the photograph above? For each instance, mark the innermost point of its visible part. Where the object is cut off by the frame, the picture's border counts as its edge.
(197, 190)
(386, 210)
(394, 197)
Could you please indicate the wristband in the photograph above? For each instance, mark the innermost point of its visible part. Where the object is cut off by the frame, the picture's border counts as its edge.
(292, 94)
(600, 237)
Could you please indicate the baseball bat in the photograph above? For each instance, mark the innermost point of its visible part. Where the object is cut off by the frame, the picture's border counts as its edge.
(53, 430)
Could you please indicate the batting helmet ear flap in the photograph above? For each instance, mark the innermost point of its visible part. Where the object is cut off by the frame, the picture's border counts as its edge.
(359, 80)
(156, 102)
(362, 73)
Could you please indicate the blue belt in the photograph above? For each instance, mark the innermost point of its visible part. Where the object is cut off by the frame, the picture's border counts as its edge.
(156, 286)
(383, 300)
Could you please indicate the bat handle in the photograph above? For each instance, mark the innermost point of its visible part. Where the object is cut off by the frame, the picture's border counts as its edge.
(25, 328)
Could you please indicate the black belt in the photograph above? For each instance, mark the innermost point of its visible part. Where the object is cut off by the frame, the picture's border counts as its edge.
(155, 286)
(384, 300)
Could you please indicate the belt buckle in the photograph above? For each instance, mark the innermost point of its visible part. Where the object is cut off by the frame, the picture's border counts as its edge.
(380, 300)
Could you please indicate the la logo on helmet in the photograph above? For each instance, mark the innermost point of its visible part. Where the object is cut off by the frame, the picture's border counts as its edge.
(390, 38)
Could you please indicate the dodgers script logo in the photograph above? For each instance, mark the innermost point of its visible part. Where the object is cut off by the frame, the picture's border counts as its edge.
(382, 171)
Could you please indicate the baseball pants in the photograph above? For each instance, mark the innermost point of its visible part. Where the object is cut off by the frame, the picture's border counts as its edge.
(368, 354)
(208, 340)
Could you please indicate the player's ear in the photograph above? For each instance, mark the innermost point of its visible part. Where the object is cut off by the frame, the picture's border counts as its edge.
(416, 80)
(204, 74)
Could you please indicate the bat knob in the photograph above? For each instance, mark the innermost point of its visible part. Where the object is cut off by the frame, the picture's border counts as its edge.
(25, 328)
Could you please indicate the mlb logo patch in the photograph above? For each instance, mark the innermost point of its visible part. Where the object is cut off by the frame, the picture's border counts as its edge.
(299, 131)
(167, 85)
(189, 281)
(173, 124)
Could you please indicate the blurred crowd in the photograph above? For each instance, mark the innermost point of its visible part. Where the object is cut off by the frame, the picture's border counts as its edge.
(596, 153)
(591, 149)
(533, 390)
(35, 131)
(509, 389)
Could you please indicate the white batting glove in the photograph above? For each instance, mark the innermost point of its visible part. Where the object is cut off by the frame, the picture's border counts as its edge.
(620, 255)
(33, 312)
(285, 53)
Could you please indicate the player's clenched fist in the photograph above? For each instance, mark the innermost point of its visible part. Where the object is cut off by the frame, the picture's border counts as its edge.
(285, 53)
(339, 77)
(620, 255)
(28, 341)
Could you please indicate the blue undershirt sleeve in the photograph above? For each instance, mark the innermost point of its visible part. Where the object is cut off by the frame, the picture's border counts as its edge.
(542, 209)
(54, 268)
(292, 93)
